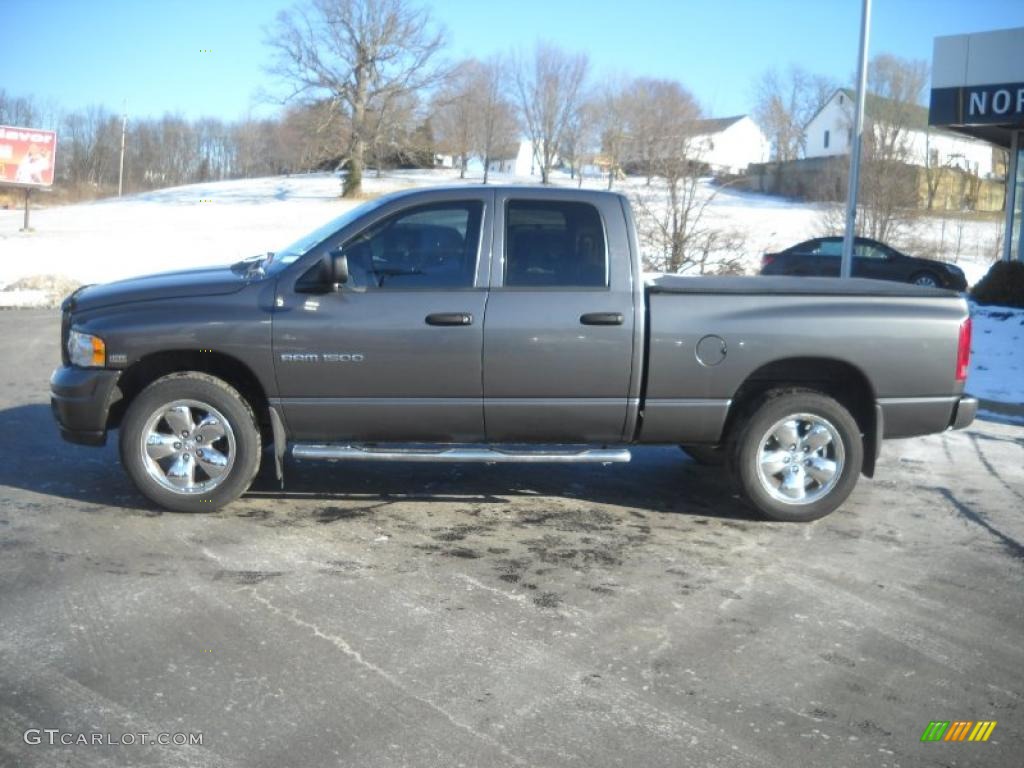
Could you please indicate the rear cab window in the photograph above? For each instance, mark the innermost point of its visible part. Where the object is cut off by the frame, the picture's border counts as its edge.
(554, 244)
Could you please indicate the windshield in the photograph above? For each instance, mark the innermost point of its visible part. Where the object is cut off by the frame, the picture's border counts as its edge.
(308, 242)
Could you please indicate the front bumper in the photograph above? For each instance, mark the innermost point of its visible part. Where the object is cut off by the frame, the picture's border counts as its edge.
(964, 413)
(80, 399)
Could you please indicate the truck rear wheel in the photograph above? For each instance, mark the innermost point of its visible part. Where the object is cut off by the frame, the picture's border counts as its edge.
(797, 458)
(190, 442)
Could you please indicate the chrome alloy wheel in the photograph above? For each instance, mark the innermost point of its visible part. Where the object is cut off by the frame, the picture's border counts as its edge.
(926, 280)
(188, 447)
(800, 459)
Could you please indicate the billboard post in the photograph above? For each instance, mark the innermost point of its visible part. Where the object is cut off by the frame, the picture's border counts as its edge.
(27, 158)
(26, 227)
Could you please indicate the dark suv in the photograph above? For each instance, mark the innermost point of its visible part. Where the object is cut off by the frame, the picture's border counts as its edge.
(822, 255)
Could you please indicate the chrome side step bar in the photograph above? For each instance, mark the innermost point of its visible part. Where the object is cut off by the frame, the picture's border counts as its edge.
(477, 454)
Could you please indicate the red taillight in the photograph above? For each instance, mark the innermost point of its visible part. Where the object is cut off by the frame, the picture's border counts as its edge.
(963, 351)
(767, 259)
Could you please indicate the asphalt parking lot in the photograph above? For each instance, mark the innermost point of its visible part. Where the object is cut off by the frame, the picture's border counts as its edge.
(410, 615)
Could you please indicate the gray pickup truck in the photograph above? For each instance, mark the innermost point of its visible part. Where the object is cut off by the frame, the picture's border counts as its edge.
(503, 324)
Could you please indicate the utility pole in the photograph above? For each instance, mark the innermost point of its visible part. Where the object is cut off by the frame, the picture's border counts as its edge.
(124, 129)
(846, 268)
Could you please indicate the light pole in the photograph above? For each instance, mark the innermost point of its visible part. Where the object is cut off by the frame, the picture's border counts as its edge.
(846, 267)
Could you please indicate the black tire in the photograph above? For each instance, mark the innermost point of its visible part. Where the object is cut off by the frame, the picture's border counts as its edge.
(928, 279)
(747, 458)
(203, 389)
(706, 455)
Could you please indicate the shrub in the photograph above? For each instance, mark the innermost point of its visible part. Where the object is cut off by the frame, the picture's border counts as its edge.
(1004, 285)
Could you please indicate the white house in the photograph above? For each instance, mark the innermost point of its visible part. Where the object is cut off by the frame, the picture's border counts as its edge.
(524, 162)
(829, 133)
(730, 144)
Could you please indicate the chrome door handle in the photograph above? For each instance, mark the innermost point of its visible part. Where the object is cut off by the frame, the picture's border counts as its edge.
(602, 318)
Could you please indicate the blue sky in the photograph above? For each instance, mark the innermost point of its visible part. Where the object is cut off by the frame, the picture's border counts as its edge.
(72, 53)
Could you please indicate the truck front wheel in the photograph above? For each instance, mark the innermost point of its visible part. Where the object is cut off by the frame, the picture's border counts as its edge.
(190, 442)
(797, 458)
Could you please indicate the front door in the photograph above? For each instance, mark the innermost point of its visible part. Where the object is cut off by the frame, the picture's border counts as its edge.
(559, 332)
(395, 354)
(872, 260)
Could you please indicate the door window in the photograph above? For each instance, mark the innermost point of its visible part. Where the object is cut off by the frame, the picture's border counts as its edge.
(432, 246)
(554, 244)
(829, 248)
(868, 251)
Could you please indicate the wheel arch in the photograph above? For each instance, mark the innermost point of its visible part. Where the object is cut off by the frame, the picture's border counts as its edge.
(919, 271)
(229, 369)
(837, 378)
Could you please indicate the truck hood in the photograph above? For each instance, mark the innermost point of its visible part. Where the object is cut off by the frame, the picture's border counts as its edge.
(208, 281)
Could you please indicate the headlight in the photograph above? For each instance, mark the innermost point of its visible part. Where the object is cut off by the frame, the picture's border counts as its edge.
(86, 351)
(953, 269)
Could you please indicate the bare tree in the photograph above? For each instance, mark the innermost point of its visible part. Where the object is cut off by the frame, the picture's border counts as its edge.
(580, 137)
(18, 110)
(89, 141)
(888, 186)
(455, 113)
(934, 170)
(391, 127)
(171, 150)
(785, 103)
(312, 135)
(495, 129)
(549, 86)
(647, 101)
(898, 85)
(612, 123)
(471, 114)
(670, 220)
(887, 200)
(362, 54)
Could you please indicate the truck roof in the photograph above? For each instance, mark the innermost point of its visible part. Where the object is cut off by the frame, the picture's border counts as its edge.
(506, 188)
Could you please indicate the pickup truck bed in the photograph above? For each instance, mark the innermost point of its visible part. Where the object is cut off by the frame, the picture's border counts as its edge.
(687, 398)
(787, 286)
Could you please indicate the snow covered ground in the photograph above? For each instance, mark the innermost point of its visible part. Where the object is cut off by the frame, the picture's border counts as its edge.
(997, 357)
(221, 222)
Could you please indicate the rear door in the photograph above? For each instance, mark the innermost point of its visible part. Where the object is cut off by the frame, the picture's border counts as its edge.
(827, 257)
(559, 329)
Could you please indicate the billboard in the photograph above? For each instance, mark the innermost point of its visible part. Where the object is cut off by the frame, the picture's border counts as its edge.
(27, 156)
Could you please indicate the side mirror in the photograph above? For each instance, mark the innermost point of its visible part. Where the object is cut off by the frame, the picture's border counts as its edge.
(336, 267)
